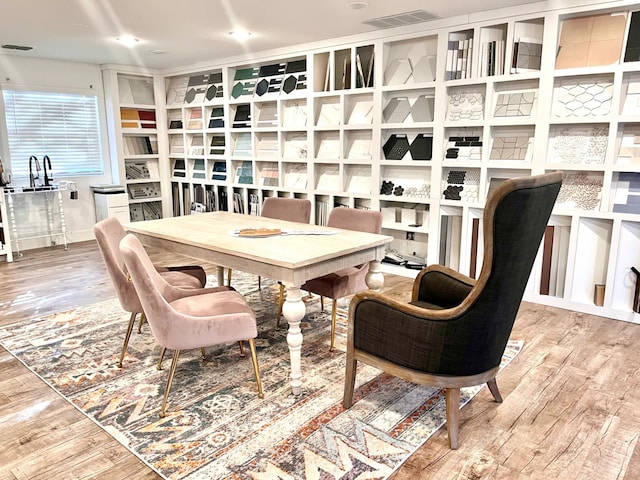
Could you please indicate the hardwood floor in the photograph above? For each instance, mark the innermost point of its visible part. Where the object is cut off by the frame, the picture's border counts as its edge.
(570, 410)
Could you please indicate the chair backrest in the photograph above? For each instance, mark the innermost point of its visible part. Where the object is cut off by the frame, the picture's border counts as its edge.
(369, 221)
(291, 209)
(152, 289)
(515, 218)
(109, 233)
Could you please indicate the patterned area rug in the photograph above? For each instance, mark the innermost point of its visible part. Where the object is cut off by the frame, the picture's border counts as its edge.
(216, 426)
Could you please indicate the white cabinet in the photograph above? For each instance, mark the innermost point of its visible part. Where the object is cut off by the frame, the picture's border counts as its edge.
(112, 205)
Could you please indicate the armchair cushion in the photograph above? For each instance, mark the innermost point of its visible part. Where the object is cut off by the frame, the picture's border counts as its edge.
(441, 289)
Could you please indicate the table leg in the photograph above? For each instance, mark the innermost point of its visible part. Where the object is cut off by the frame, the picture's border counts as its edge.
(293, 311)
(220, 275)
(374, 278)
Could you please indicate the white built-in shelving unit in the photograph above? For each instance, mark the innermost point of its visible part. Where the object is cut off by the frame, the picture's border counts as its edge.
(422, 124)
(137, 144)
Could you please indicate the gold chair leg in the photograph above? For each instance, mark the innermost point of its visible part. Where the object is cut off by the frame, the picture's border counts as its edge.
(203, 353)
(132, 320)
(229, 272)
(256, 369)
(159, 366)
(142, 320)
(172, 372)
(452, 397)
(321, 303)
(259, 282)
(333, 324)
(493, 388)
(280, 304)
(241, 348)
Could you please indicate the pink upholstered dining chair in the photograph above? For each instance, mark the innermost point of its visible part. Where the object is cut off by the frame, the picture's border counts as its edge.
(347, 281)
(109, 232)
(186, 318)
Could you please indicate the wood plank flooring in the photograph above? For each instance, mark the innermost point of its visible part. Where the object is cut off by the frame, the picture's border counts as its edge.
(571, 405)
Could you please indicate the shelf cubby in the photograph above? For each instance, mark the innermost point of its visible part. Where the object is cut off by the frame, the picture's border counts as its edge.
(295, 145)
(555, 255)
(357, 179)
(492, 50)
(328, 112)
(526, 56)
(511, 145)
(624, 279)
(294, 114)
(408, 107)
(410, 61)
(327, 177)
(578, 144)
(594, 237)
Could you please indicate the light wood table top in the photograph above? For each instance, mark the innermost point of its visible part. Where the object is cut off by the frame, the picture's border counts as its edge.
(208, 236)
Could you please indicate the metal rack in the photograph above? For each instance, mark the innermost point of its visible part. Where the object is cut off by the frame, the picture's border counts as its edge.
(5, 240)
(27, 209)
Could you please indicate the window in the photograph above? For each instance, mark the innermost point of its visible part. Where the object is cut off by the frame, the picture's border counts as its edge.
(63, 126)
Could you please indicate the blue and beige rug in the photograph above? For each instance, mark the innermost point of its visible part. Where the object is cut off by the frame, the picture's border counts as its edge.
(216, 426)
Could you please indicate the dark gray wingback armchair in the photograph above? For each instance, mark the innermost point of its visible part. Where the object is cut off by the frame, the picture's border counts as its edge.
(454, 331)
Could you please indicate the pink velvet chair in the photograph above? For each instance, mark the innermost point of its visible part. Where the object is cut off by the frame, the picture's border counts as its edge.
(349, 280)
(109, 232)
(188, 318)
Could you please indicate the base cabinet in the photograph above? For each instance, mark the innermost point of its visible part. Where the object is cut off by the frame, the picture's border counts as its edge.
(112, 205)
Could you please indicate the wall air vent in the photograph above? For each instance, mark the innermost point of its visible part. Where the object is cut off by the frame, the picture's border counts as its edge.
(23, 48)
(401, 19)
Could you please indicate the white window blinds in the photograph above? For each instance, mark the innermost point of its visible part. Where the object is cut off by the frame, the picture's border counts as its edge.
(61, 125)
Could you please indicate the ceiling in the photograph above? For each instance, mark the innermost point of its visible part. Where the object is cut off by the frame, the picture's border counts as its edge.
(174, 33)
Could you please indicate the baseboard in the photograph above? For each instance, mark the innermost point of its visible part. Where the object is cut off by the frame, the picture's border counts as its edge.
(72, 237)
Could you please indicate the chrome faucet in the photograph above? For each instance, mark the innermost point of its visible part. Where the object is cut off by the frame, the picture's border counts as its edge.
(33, 161)
(48, 180)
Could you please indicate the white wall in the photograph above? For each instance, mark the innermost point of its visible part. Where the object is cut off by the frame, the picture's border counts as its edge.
(53, 75)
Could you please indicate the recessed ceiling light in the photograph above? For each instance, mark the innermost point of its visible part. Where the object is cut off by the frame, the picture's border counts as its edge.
(127, 40)
(157, 51)
(356, 5)
(240, 34)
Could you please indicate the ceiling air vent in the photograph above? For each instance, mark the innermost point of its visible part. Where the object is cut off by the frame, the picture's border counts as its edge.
(401, 19)
(23, 48)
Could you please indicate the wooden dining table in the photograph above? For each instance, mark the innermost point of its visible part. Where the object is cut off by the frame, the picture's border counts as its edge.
(299, 253)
